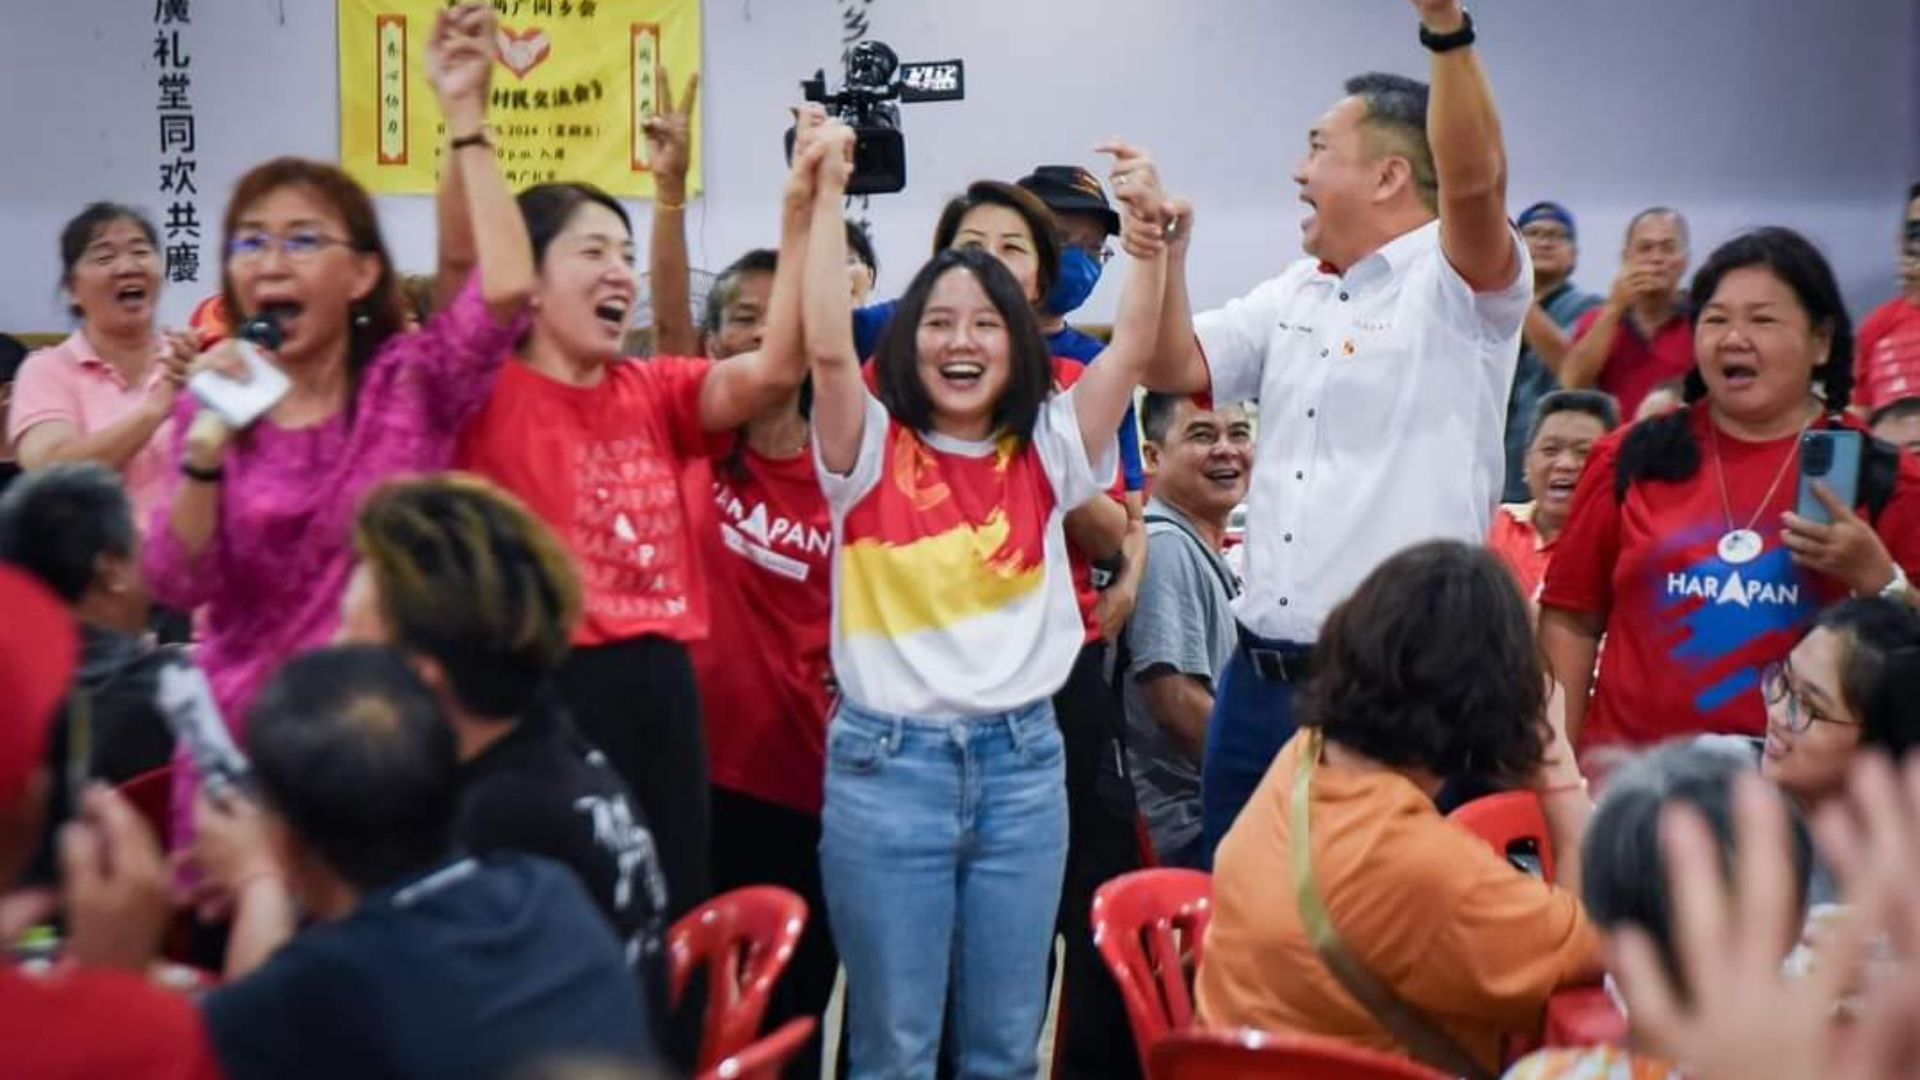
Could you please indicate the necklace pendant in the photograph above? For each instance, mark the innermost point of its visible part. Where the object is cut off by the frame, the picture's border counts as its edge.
(1741, 546)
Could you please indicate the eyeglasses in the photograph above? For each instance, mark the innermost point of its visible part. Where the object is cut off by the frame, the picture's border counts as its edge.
(1776, 688)
(299, 247)
(1099, 252)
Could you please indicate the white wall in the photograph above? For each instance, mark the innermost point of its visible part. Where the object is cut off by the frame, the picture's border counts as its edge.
(1737, 111)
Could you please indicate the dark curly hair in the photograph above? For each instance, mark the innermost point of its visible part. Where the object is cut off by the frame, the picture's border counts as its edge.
(1431, 664)
(1663, 448)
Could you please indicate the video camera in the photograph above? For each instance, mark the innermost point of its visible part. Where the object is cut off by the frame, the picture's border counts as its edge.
(875, 78)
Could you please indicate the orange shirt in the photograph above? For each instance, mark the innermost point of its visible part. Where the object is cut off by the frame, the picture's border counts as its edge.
(1516, 540)
(1428, 907)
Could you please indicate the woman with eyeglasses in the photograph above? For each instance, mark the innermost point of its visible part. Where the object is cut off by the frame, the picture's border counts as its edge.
(1852, 684)
(256, 525)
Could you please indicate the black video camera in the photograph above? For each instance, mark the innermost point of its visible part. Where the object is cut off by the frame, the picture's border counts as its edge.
(875, 78)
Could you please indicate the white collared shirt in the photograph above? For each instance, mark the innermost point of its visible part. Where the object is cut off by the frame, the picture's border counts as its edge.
(1383, 398)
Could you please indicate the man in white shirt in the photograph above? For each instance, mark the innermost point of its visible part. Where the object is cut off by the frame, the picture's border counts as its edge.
(1382, 364)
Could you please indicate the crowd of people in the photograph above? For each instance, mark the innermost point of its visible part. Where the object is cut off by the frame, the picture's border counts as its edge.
(925, 609)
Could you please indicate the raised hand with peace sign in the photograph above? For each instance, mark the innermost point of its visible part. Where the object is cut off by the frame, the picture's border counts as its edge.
(669, 132)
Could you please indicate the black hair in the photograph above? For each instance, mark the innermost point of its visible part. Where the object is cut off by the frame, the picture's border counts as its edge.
(1897, 409)
(896, 361)
(1663, 447)
(82, 228)
(726, 287)
(860, 246)
(548, 207)
(13, 353)
(1397, 109)
(350, 749)
(1595, 403)
(1879, 669)
(1913, 193)
(1623, 869)
(56, 523)
(1431, 664)
(1040, 222)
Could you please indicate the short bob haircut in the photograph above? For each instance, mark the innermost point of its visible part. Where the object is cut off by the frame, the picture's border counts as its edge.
(1431, 665)
(1030, 364)
(1622, 868)
(83, 228)
(1039, 219)
(1879, 669)
(352, 752)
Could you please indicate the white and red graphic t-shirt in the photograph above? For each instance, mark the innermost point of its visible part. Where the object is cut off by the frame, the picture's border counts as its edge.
(1887, 359)
(952, 593)
(603, 466)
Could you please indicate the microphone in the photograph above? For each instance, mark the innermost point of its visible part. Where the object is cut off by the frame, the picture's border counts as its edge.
(264, 330)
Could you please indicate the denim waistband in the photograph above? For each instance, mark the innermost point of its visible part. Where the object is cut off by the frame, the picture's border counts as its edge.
(1039, 710)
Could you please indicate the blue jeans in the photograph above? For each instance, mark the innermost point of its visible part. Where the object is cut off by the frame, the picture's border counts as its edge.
(943, 843)
(1252, 719)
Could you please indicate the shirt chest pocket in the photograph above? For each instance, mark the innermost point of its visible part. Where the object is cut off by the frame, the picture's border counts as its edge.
(1369, 385)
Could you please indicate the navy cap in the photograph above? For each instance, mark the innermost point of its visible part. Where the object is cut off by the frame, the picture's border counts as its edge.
(1072, 189)
(1549, 211)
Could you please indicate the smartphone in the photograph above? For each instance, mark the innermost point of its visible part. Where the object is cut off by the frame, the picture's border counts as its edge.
(241, 403)
(186, 701)
(1831, 458)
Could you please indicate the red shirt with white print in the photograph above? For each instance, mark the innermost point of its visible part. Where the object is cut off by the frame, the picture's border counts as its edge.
(764, 670)
(1687, 633)
(602, 465)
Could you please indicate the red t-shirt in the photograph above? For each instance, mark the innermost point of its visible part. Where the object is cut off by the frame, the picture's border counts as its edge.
(602, 465)
(1636, 365)
(1516, 540)
(1686, 633)
(764, 668)
(84, 1024)
(1886, 363)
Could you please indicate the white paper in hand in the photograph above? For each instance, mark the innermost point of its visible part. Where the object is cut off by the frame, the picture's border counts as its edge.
(238, 403)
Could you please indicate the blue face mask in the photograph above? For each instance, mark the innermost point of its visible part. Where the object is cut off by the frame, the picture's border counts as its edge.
(1079, 273)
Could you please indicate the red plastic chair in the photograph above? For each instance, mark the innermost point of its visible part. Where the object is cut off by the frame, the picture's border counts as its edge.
(1151, 928)
(1253, 1055)
(745, 939)
(764, 1060)
(1507, 818)
(151, 793)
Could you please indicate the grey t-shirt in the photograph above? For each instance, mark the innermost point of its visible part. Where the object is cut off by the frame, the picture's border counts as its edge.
(1182, 621)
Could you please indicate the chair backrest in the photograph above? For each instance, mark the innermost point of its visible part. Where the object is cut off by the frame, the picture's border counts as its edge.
(768, 1058)
(151, 793)
(744, 939)
(1508, 819)
(1151, 928)
(1253, 1055)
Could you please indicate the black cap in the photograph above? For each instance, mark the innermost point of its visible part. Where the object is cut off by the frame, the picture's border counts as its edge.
(1072, 189)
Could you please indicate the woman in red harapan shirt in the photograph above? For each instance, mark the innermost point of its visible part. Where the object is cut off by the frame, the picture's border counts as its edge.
(1680, 547)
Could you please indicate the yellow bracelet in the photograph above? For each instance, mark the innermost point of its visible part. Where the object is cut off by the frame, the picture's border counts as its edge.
(659, 204)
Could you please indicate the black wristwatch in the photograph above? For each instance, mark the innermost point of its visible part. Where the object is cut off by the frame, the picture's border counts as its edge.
(205, 476)
(1459, 39)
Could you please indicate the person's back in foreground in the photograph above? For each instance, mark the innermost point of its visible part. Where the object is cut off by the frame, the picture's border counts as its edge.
(422, 963)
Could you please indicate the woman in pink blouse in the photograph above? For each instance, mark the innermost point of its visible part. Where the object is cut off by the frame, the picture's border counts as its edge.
(256, 525)
(106, 393)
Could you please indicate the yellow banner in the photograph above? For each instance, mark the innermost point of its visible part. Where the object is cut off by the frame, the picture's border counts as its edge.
(572, 81)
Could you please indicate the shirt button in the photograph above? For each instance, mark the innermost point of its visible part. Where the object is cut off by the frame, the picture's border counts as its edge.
(1288, 538)
(1343, 296)
(1283, 601)
(1310, 413)
(1299, 476)
(1324, 353)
